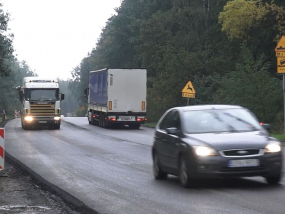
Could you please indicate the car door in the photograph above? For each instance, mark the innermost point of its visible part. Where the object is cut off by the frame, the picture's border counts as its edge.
(161, 139)
(173, 141)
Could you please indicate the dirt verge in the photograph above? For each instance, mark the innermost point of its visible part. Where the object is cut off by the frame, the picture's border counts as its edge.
(21, 193)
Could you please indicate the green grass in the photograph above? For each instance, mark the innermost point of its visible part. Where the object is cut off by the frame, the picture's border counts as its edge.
(149, 125)
(279, 136)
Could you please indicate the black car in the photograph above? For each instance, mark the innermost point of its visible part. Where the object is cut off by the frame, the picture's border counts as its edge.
(206, 141)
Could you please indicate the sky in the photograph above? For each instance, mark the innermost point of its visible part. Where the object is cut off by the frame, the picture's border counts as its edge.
(53, 36)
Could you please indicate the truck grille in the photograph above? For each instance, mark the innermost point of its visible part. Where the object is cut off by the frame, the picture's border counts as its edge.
(42, 109)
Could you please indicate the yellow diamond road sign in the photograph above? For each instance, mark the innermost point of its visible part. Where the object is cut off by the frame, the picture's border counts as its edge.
(188, 90)
(281, 45)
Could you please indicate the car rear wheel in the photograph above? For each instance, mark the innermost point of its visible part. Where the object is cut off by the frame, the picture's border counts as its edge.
(157, 171)
(273, 179)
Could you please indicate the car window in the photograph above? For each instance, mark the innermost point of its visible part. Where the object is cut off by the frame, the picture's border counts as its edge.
(225, 120)
(172, 119)
(175, 121)
(165, 121)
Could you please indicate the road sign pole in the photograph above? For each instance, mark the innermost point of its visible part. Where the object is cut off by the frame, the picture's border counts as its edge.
(284, 102)
(187, 101)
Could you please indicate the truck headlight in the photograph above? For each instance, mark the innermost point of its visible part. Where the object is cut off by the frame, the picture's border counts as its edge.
(204, 151)
(273, 147)
(28, 118)
(56, 118)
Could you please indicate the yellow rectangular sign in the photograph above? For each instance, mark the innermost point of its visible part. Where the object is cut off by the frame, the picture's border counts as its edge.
(188, 95)
(280, 64)
(281, 70)
(280, 54)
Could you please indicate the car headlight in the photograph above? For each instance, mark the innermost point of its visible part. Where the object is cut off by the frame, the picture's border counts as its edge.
(273, 147)
(28, 118)
(204, 151)
(56, 118)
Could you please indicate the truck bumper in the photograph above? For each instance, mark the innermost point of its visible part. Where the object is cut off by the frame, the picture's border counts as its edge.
(41, 121)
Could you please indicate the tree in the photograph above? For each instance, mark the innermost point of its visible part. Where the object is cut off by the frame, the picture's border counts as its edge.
(6, 48)
(9, 101)
(252, 86)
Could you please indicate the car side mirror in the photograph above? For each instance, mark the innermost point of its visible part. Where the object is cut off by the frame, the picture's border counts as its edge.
(61, 96)
(86, 92)
(172, 130)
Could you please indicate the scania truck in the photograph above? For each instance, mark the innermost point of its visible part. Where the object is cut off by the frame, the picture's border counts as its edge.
(117, 97)
(40, 102)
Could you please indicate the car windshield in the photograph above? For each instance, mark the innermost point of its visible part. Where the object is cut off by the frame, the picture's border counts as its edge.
(220, 120)
(41, 94)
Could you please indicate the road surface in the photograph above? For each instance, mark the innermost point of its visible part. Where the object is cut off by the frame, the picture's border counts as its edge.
(110, 171)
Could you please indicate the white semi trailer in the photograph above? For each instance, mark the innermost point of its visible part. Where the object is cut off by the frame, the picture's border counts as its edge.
(40, 102)
(117, 96)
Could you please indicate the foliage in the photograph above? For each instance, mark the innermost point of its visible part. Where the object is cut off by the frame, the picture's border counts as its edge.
(251, 86)
(9, 100)
(69, 103)
(194, 40)
(239, 16)
(6, 48)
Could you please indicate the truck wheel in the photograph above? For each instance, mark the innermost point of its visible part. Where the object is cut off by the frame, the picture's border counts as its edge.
(57, 126)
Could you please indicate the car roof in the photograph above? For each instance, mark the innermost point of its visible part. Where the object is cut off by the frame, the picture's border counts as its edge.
(207, 107)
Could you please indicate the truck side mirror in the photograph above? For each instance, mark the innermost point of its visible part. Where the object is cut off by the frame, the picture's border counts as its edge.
(21, 95)
(61, 96)
(86, 92)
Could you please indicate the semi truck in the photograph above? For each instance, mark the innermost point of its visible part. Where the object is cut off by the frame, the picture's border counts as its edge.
(40, 102)
(117, 97)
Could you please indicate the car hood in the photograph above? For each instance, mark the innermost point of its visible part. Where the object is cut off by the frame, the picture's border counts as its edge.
(224, 141)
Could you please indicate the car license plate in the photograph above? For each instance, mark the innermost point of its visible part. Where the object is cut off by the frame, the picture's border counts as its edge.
(42, 121)
(126, 118)
(243, 163)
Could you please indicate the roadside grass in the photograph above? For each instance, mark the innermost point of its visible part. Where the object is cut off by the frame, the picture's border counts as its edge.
(279, 136)
(149, 125)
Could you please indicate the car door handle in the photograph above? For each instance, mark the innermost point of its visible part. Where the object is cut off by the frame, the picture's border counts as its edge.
(177, 144)
(164, 140)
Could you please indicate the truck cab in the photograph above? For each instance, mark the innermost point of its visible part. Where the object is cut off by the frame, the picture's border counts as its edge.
(40, 102)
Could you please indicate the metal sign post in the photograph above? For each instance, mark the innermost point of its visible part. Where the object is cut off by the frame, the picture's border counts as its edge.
(280, 54)
(284, 102)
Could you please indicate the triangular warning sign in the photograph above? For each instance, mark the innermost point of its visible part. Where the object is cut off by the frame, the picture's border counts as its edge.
(189, 88)
(281, 44)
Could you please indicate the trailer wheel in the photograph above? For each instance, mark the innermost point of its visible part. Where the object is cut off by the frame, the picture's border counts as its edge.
(104, 122)
(101, 120)
(135, 126)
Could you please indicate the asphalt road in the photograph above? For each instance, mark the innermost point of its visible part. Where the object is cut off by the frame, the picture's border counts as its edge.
(110, 171)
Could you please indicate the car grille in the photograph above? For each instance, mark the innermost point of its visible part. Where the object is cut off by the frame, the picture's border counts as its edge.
(242, 152)
(242, 169)
(42, 109)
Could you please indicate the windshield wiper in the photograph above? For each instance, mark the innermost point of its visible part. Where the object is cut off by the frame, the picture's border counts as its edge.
(252, 127)
(230, 127)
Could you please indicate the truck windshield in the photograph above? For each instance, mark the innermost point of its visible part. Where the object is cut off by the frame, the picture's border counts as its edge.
(42, 94)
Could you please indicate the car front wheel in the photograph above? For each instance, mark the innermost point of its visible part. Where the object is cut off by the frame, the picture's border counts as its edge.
(157, 172)
(273, 179)
(184, 178)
